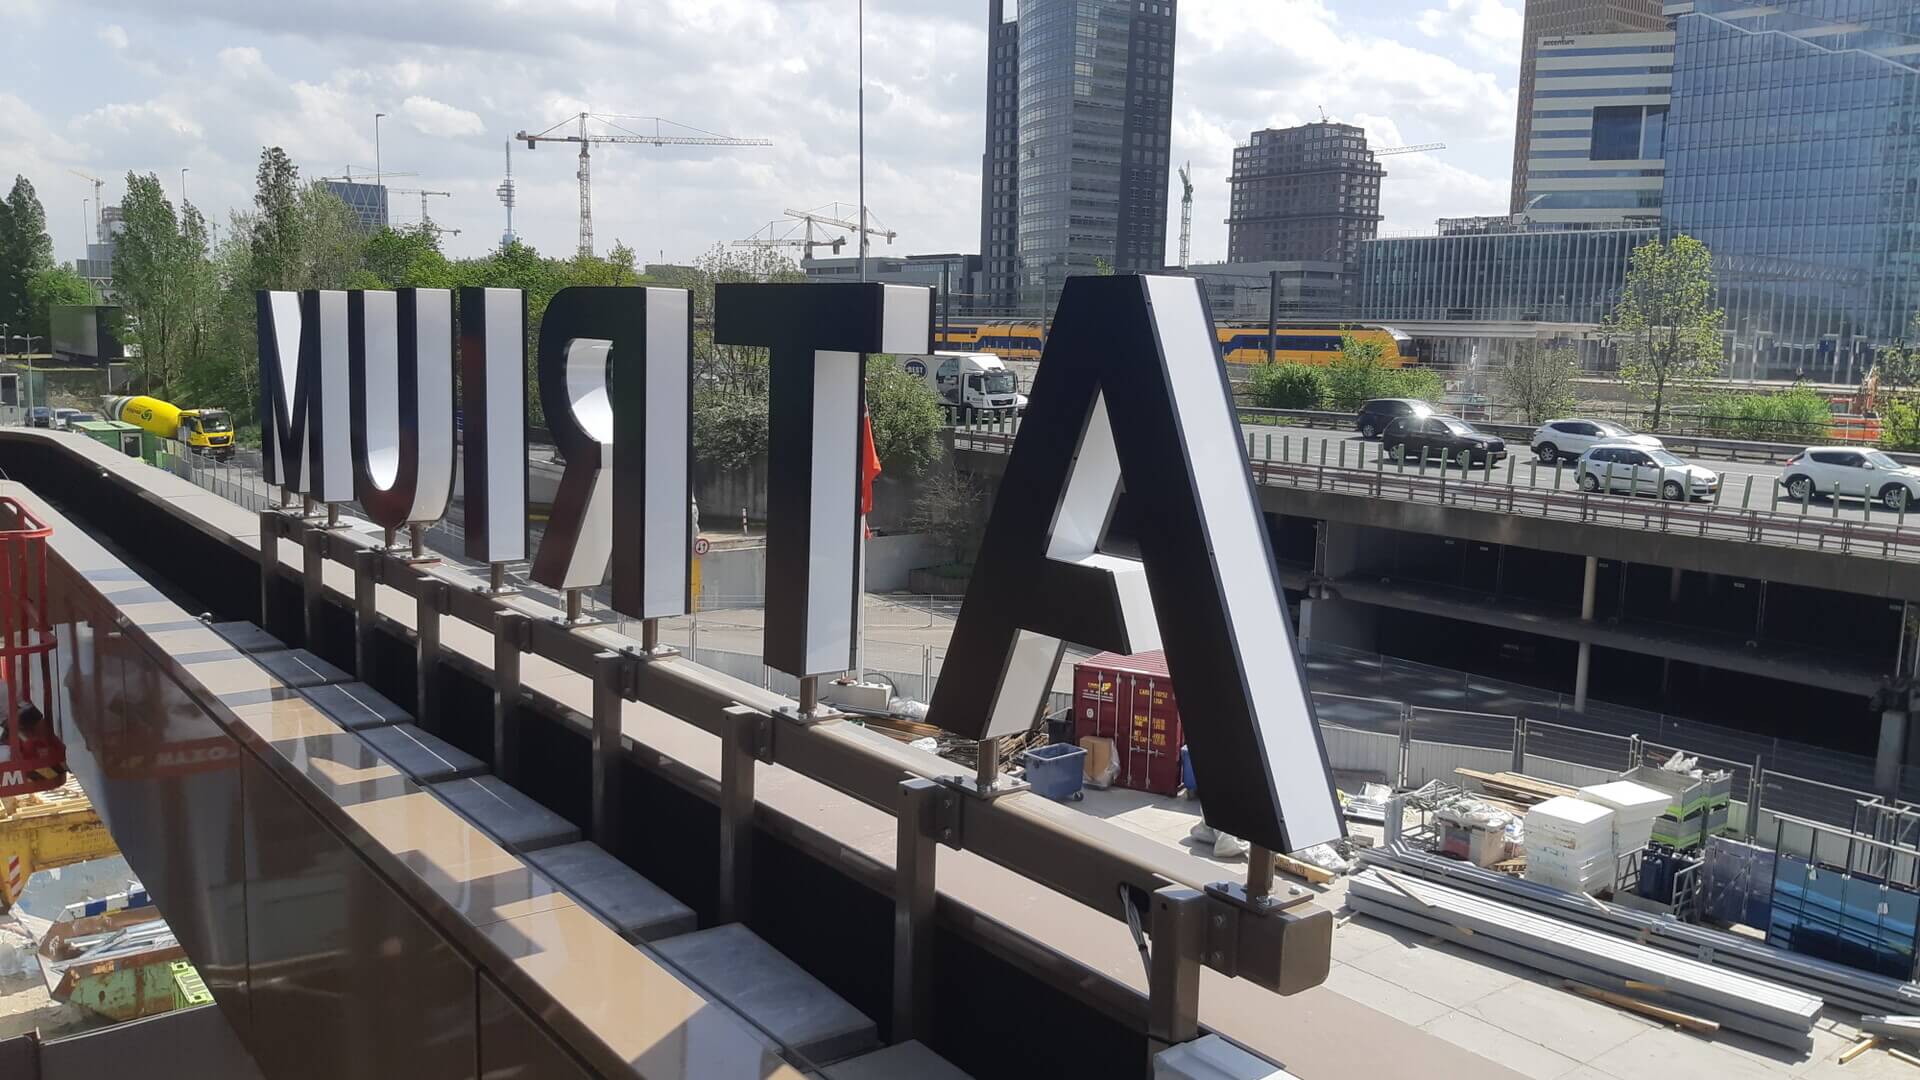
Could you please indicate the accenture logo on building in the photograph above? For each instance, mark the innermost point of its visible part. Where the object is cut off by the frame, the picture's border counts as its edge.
(1556, 41)
(359, 403)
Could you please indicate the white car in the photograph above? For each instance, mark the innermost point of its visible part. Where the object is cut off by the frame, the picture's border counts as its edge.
(1636, 470)
(1556, 440)
(1858, 473)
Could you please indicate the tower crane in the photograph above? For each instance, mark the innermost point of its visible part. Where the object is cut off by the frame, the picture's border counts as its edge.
(830, 215)
(425, 220)
(622, 135)
(349, 178)
(1186, 214)
(774, 238)
(99, 207)
(1417, 148)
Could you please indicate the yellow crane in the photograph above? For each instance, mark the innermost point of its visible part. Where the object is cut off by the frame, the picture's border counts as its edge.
(620, 134)
(44, 831)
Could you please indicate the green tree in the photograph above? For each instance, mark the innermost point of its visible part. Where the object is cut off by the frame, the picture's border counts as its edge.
(162, 282)
(57, 285)
(407, 258)
(1896, 386)
(1288, 386)
(1540, 379)
(953, 510)
(25, 250)
(907, 418)
(273, 230)
(1667, 325)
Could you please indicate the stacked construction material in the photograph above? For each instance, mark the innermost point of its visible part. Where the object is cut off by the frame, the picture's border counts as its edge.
(1735, 1001)
(1634, 806)
(1838, 984)
(1570, 845)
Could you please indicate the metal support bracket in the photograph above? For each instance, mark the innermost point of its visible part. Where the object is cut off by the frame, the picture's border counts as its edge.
(926, 816)
(612, 681)
(1004, 785)
(1178, 928)
(429, 602)
(366, 585)
(313, 585)
(269, 564)
(746, 739)
(512, 635)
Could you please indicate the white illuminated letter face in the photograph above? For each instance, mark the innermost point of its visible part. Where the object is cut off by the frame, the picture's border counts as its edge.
(305, 420)
(652, 396)
(402, 381)
(493, 395)
(817, 337)
(1138, 355)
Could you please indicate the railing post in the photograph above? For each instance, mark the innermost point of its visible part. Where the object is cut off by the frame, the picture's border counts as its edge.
(1406, 744)
(1747, 495)
(1755, 789)
(429, 601)
(923, 819)
(1343, 453)
(510, 638)
(1634, 750)
(270, 522)
(366, 584)
(746, 738)
(1520, 744)
(610, 672)
(313, 588)
(1179, 932)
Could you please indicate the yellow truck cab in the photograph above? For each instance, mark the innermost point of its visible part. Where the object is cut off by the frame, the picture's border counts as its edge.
(208, 431)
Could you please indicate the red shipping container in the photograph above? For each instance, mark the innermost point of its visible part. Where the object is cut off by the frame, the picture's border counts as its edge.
(1129, 699)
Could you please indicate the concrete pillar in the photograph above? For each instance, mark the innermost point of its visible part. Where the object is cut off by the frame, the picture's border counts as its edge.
(1892, 753)
(1341, 550)
(1587, 587)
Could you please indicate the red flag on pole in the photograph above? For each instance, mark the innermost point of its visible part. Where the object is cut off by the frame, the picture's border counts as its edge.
(869, 462)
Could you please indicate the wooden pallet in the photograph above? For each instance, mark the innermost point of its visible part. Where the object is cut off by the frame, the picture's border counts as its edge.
(1517, 787)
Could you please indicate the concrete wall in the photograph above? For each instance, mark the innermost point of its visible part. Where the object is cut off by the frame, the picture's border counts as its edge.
(721, 494)
(737, 576)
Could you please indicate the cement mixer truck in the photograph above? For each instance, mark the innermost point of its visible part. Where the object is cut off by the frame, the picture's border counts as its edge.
(206, 431)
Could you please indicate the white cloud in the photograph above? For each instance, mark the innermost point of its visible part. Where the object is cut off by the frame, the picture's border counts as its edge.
(430, 117)
(114, 35)
(461, 78)
(1489, 27)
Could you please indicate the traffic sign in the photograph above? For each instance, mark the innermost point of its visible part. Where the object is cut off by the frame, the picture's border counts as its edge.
(701, 545)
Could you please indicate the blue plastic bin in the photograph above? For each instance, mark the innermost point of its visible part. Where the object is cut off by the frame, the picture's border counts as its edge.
(1056, 770)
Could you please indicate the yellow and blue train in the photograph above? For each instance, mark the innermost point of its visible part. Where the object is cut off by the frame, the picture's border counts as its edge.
(1246, 344)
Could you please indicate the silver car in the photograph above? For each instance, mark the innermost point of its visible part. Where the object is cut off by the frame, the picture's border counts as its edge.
(1565, 440)
(1627, 468)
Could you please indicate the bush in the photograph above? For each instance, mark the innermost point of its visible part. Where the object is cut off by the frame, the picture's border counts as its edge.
(1797, 415)
(1411, 382)
(1359, 375)
(1288, 386)
(1900, 424)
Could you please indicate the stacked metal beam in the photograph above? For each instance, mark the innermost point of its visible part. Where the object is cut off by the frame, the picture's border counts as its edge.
(1735, 1001)
(1851, 988)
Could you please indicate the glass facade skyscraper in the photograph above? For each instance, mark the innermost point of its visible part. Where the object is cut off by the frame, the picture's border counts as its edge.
(1497, 272)
(1793, 153)
(1092, 114)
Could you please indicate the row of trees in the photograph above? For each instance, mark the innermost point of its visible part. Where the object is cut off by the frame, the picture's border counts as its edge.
(188, 301)
(30, 283)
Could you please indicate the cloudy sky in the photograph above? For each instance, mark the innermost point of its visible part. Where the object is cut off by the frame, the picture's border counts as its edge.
(108, 86)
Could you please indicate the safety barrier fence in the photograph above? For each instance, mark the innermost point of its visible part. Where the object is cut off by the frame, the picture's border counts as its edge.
(1761, 516)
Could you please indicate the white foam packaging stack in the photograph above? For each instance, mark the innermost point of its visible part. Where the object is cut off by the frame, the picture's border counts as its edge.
(1635, 808)
(1570, 845)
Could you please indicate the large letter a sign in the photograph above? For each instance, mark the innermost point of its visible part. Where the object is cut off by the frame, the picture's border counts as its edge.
(1136, 357)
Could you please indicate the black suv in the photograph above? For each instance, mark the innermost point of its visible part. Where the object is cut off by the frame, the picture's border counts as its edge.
(1440, 438)
(1375, 415)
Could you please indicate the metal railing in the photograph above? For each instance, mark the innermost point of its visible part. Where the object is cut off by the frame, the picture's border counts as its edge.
(1551, 493)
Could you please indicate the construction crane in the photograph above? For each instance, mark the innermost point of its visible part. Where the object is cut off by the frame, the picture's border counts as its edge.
(1186, 214)
(625, 135)
(99, 206)
(506, 193)
(362, 179)
(1418, 148)
(830, 215)
(425, 220)
(792, 237)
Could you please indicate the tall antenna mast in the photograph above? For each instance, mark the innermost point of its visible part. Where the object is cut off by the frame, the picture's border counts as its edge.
(505, 191)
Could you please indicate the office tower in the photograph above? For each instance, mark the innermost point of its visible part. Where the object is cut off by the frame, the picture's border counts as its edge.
(1596, 144)
(1552, 19)
(1000, 167)
(1074, 177)
(1793, 153)
(1303, 193)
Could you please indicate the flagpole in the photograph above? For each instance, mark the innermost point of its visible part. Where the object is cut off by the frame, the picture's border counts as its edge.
(860, 247)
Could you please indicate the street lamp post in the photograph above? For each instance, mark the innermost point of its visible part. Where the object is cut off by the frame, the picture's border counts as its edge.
(376, 148)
